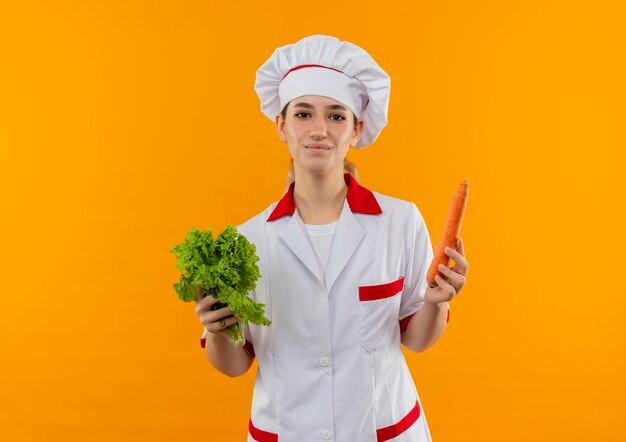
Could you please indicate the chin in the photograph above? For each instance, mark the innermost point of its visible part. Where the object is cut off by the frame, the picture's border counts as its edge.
(321, 170)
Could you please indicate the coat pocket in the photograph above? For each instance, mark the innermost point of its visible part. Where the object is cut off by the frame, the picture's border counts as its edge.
(381, 291)
(379, 307)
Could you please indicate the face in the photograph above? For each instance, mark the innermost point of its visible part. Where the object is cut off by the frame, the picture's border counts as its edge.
(318, 131)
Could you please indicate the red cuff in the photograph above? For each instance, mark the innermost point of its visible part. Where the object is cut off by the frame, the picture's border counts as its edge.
(202, 342)
(249, 349)
(404, 323)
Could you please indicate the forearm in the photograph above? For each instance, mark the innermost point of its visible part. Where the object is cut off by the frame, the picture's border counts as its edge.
(225, 357)
(426, 326)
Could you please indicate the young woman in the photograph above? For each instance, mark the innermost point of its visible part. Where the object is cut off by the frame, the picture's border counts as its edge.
(343, 269)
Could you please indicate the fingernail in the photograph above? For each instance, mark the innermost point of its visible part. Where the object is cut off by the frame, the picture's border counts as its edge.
(441, 266)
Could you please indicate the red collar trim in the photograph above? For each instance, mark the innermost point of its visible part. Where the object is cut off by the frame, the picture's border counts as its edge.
(360, 200)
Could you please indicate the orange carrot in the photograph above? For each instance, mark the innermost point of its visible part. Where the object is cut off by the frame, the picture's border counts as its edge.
(450, 233)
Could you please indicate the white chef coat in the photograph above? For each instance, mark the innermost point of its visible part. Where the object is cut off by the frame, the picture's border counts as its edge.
(330, 366)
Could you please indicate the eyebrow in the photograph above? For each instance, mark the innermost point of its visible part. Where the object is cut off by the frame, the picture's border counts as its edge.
(330, 106)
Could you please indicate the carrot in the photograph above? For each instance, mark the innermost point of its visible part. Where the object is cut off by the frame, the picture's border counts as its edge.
(450, 233)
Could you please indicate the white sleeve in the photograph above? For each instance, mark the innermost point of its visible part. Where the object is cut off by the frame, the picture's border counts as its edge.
(419, 254)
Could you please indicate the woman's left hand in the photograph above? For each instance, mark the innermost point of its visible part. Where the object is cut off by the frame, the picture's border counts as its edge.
(448, 288)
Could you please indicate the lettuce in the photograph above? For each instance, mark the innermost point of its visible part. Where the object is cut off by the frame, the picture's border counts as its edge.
(225, 267)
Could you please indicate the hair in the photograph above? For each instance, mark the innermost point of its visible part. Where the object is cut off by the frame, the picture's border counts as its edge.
(348, 165)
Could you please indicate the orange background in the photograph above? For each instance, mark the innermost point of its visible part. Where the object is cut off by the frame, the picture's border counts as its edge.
(124, 124)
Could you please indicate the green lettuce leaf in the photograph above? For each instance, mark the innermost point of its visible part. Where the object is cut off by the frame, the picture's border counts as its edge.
(225, 267)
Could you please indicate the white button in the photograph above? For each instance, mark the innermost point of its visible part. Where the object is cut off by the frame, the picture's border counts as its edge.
(326, 435)
(324, 362)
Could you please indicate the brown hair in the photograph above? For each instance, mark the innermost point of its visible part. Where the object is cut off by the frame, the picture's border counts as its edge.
(348, 165)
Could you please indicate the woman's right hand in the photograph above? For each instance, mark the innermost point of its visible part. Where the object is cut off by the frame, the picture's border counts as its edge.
(215, 321)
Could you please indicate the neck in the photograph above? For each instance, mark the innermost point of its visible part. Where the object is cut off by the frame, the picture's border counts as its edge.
(319, 199)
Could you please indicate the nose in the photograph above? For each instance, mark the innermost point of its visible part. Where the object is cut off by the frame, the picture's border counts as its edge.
(318, 127)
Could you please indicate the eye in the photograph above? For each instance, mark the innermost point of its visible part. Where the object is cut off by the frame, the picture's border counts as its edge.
(300, 113)
(341, 117)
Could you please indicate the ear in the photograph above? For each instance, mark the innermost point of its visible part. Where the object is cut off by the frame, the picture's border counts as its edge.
(280, 128)
(358, 130)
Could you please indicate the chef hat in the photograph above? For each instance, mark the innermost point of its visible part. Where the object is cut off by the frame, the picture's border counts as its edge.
(327, 66)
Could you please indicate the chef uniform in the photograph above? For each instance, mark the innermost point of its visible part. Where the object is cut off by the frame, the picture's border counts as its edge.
(330, 366)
